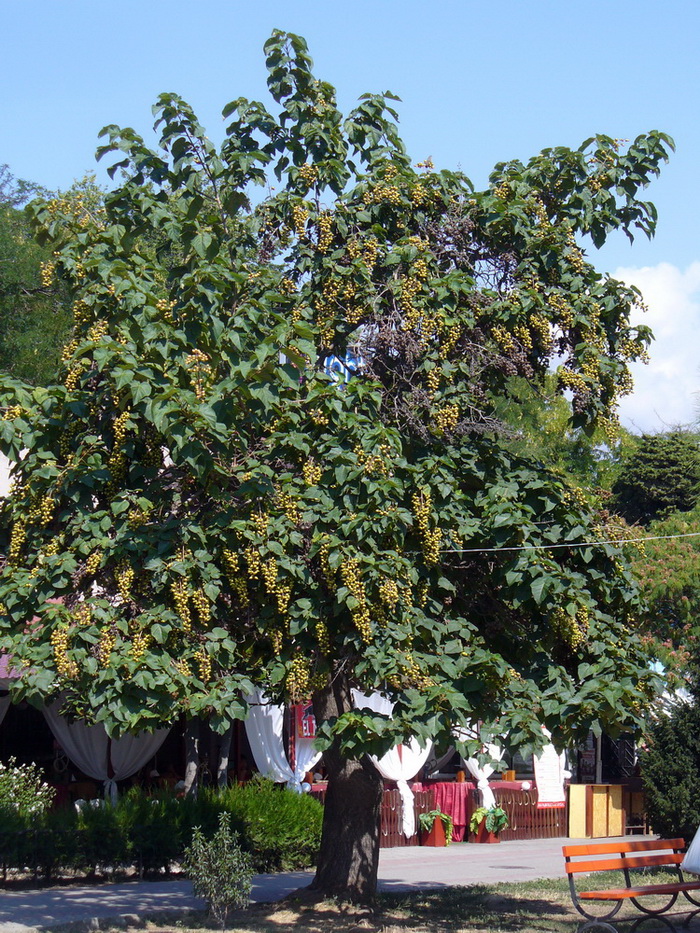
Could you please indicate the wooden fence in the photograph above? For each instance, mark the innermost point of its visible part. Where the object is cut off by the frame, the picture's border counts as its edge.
(526, 820)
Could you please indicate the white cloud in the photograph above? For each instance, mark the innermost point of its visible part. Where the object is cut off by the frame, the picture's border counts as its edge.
(667, 389)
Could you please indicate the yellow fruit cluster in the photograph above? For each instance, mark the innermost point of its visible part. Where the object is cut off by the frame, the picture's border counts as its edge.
(323, 637)
(503, 338)
(181, 599)
(232, 566)
(371, 463)
(389, 593)
(502, 191)
(199, 367)
(562, 309)
(204, 664)
(311, 472)
(83, 614)
(289, 505)
(567, 628)
(350, 574)
(252, 556)
(98, 331)
(319, 417)
(139, 645)
(308, 174)
(431, 537)
(297, 680)
(202, 606)
(117, 459)
(446, 418)
(370, 253)
(259, 521)
(17, 539)
(183, 668)
(382, 193)
(325, 232)
(105, 646)
(300, 216)
(42, 511)
(419, 194)
(65, 666)
(326, 569)
(420, 268)
(12, 412)
(125, 578)
(74, 373)
(48, 272)
(288, 286)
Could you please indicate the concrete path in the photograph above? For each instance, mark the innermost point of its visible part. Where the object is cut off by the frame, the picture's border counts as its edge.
(405, 869)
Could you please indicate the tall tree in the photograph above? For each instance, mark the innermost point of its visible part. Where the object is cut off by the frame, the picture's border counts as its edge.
(217, 506)
(660, 477)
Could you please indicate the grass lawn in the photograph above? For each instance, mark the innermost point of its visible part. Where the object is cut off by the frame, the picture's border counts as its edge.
(527, 907)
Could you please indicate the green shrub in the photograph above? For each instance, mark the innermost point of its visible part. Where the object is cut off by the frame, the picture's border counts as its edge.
(150, 827)
(281, 829)
(221, 872)
(102, 840)
(670, 769)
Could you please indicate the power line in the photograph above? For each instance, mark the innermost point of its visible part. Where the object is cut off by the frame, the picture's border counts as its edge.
(547, 547)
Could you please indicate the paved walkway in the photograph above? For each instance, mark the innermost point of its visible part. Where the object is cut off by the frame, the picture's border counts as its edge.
(405, 869)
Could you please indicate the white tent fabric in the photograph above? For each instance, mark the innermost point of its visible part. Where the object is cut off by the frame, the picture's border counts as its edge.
(400, 763)
(264, 728)
(481, 773)
(550, 774)
(90, 748)
(691, 862)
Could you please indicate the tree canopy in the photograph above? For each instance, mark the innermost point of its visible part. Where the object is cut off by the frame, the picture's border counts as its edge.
(660, 477)
(276, 455)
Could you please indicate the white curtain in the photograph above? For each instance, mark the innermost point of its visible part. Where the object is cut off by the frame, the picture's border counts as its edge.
(90, 748)
(400, 763)
(481, 773)
(264, 728)
(550, 774)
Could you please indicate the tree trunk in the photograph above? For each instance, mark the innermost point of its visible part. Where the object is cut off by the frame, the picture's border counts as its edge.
(191, 757)
(349, 855)
(224, 755)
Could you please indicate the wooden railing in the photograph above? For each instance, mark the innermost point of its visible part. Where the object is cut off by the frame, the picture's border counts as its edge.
(391, 835)
(526, 820)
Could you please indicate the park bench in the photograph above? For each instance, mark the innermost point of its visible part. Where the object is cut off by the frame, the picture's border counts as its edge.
(626, 857)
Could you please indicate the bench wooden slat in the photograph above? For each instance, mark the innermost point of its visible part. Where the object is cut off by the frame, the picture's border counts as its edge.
(616, 894)
(617, 864)
(634, 845)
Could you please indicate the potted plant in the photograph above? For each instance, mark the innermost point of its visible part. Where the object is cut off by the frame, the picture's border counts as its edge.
(436, 828)
(487, 822)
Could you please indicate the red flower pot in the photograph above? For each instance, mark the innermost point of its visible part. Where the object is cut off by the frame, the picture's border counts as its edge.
(436, 836)
(483, 835)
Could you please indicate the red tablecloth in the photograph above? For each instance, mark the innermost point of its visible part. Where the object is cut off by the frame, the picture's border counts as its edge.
(454, 798)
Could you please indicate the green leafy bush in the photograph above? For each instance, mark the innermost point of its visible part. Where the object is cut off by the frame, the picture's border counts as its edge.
(279, 829)
(150, 826)
(670, 769)
(221, 872)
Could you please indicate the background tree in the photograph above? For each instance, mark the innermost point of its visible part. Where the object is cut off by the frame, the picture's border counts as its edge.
(670, 768)
(215, 510)
(660, 477)
(668, 570)
(35, 317)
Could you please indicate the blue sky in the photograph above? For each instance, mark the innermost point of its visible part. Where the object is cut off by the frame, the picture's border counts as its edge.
(480, 82)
